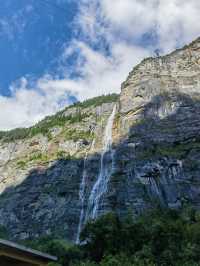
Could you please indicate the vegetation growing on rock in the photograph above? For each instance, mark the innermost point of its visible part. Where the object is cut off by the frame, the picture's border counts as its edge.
(154, 157)
(96, 101)
(57, 120)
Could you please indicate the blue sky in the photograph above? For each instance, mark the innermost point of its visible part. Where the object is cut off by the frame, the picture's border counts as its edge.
(32, 34)
(54, 52)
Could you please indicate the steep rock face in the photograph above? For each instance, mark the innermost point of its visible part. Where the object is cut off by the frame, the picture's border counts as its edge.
(46, 180)
(158, 133)
(40, 176)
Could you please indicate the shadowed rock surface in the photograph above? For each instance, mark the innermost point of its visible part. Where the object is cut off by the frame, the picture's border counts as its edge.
(155, 157)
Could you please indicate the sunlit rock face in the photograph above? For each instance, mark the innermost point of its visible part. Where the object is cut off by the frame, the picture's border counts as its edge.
(47, 180)
(159, 125)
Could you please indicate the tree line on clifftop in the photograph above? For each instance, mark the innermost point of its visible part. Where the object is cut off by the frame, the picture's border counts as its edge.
(57, 120)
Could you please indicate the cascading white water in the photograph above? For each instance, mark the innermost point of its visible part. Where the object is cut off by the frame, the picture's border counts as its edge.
(100, 187)
(82, 195)
(82, 199)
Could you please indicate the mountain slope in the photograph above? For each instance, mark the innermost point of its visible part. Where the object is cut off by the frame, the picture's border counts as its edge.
(52, 182)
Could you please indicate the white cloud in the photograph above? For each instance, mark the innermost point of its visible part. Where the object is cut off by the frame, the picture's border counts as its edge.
(134, 17)
(28, 105)
(108, 45)
(175, 22)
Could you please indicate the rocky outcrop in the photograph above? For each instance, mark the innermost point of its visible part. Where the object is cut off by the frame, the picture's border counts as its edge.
(158, 133)
(155, 156)
(40, 176)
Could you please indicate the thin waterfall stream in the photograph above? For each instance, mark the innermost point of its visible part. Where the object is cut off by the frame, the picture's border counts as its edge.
(82, 195)
(101, 185)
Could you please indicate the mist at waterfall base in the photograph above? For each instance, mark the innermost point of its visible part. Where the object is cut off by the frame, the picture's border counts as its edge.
(101, 184)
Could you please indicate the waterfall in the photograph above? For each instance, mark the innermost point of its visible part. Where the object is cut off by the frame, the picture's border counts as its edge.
(100, 187)
(82, 195)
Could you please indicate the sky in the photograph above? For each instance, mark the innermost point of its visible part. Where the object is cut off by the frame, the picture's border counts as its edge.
(56, 52)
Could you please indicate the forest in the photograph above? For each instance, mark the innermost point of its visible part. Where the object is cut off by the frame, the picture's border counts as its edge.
(159, 237)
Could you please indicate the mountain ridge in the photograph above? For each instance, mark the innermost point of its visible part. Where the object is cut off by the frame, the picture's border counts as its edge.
(154, 157)
(26, 132)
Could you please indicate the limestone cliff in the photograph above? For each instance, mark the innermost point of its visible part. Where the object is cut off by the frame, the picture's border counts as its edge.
(51, 181)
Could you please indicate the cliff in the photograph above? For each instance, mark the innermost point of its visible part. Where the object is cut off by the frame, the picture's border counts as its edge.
(126, 153)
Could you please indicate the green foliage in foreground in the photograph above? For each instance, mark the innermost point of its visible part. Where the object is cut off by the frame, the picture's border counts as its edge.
(3, 233)
(158, 238)
(65, 251)
(57, 120)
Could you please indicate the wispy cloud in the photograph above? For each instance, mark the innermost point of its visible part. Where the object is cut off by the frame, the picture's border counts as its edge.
(12, 26)
(110, 38)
